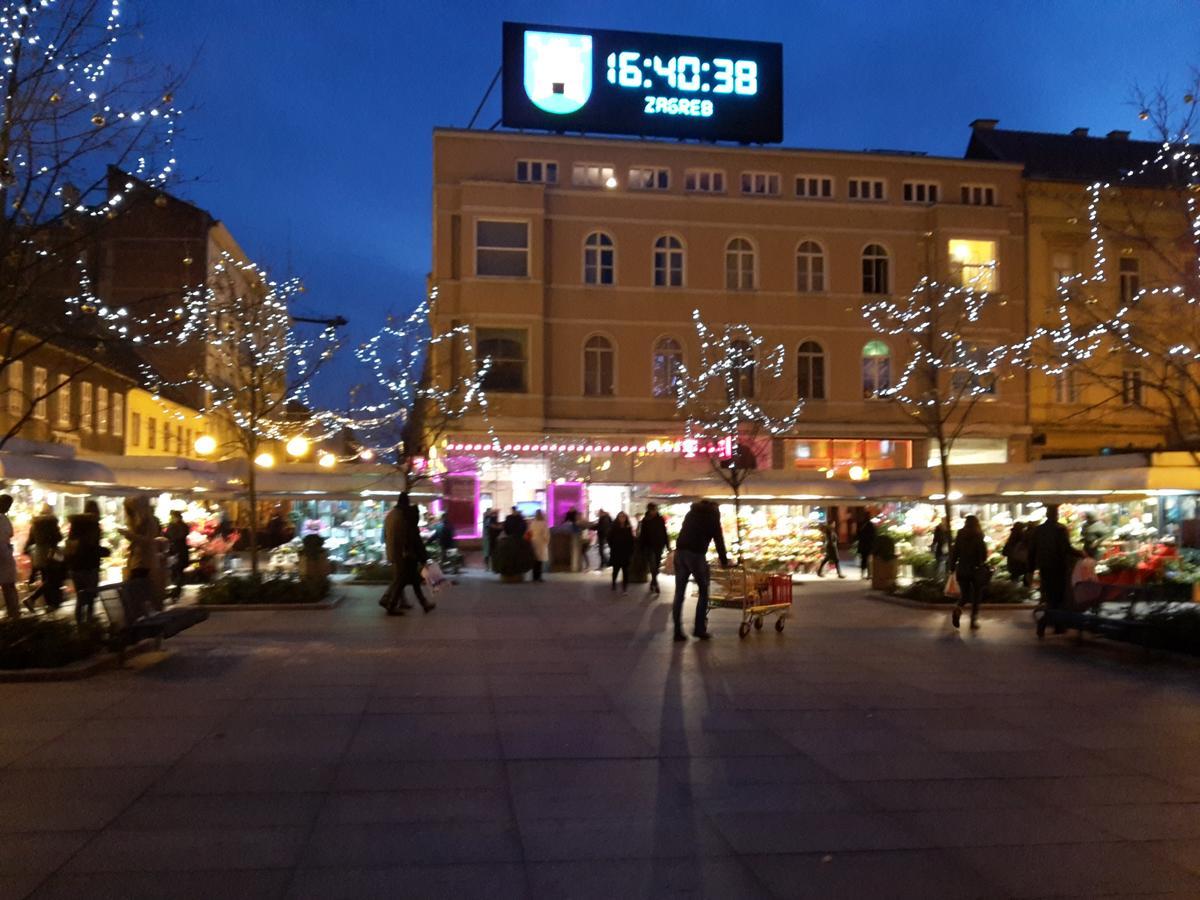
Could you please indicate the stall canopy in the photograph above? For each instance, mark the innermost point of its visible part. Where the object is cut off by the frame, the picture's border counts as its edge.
(1120, 476)
(358, 481)
(54, 466)
(806, 489)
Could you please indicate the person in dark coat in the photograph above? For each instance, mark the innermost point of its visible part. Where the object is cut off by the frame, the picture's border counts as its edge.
(866, 544)
(602, 526)
(620, 550)
(42, 549)
(1016, 552)
(491, 531)
(940, 545)
(407, 553)
(652, 541)
(446, 537)
(701, 527)
(1093, 533)
(176, 534)
(829, 545)
(968, 560)
(515, 525)
(83, 557)
(1050, 555)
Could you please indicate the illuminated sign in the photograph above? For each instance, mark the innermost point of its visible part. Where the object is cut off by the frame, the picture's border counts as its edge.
(686, 447)
(627, 82)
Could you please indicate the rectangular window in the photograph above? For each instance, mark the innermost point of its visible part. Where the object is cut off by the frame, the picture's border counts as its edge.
(920, 192)
(973, 264)
(764, 184)
(40, 386)
(814, 187)
(102, 409)
(118, 414)
(187, 448)
(1131, 387)
(704, 181)
(135, 429)
(1063, 264)
(866, 189)
(979, 195)
(1129, 271)
(649, 178)
(166, 436)
(85, 405)
(16, 388)
(62, 401)
(1065, 390)
(502, 248)
(505, 348)
(594, 175)
(152, 432)
(537, 171)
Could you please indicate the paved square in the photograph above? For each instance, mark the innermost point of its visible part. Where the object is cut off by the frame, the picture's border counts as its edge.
(552, 741)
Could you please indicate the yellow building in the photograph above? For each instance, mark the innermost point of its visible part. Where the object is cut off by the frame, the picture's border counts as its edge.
(158, 426)
(578, 262)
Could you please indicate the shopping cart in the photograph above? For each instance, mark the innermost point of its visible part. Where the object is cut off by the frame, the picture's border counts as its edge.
(756, 594)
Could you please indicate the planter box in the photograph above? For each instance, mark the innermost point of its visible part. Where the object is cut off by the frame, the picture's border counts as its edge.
(884, 573)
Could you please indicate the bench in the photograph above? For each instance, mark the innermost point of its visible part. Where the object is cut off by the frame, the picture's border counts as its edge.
(129, 608)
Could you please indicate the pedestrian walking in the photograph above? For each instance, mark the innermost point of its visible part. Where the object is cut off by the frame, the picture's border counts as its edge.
(940, 545)
(866, 544)
(144, 560)
(968, 560)
(829, 543)
(653, 542)
(620, 550)
(701, 527)
(539, 541)
(1093, 533)
(407, 554)
(8, 564)
(1050, 557)
(176, 533)
(45, 566)
(83, 557)
(491, 531)
(1016, 552)
(602, 526)
(445, 538)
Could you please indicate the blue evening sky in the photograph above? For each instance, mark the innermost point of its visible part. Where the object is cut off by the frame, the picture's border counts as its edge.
(311, 132)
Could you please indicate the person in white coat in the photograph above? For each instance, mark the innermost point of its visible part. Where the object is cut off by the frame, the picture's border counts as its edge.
(539, 540)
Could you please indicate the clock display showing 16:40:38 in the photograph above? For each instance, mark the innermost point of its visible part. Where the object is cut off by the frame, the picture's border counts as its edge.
(629, 69)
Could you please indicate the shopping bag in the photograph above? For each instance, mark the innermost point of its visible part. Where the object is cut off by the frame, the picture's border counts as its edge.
(668, 565)
(432, 573)
(952, 590)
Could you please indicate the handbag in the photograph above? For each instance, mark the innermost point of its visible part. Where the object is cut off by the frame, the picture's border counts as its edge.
(952, 590)
(433, 575)
(669, 561)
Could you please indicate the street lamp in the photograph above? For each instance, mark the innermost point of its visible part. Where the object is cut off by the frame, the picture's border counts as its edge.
(205, 445)
(264, 460)
(297, 446)
(326, 460)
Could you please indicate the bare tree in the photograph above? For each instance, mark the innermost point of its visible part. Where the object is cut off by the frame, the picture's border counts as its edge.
(72, 107)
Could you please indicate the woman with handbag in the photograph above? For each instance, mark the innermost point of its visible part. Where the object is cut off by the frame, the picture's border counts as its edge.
(968, 562)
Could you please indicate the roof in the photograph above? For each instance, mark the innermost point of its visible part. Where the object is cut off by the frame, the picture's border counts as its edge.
(1076, 157)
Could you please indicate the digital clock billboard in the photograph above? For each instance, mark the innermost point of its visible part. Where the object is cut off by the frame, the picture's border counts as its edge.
(628, 82)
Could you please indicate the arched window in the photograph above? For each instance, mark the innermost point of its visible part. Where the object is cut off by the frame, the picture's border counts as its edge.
(874, 269)
(598, 357)
(739, 265)
(810, 268)
(741, 371)
(666, 365)
(810, 371)
(668, 261)
(598, 259)
(876, 369)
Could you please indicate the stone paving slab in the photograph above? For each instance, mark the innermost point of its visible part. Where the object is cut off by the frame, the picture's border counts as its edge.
(552, 741)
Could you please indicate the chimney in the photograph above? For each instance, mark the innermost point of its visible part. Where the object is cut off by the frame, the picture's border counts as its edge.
(1118, 135)
(1079, 132)
(985, 124)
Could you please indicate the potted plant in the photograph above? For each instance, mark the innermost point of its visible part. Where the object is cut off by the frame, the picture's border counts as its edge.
(512, 558)
(884, 563)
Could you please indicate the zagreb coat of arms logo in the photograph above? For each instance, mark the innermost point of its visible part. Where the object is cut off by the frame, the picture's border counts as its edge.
(558, 70)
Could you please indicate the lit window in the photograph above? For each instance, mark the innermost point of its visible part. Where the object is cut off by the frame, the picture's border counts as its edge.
(704, 181)
(739, 265)
(102, 409)
(85, 405)
(1131, 387)
(118, 414)
(973, 264)
(668, 261)
(979, 194)
(920, 192)
(866, 189)
(1130, 275)
(876, 369)
(667, 365)
(760, 183)
(812, 187)
(594, 175)
(598, 259)
(1065, 390)
(62, 400)
(505, 348)
(16, 388)
(874, 269)
(741, 371)
(810, 268)
(598, 359)
(537, 171)
(649, 178)
(502, 248)
(41, 386)
(810, 371)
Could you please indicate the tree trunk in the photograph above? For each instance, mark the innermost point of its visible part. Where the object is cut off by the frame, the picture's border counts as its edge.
(944, 465)
(737, 516)
(252, 495)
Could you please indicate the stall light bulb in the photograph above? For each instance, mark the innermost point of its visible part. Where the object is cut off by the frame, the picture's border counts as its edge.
(205, 445)
(264, 460)
(297, 446)
(326, 460)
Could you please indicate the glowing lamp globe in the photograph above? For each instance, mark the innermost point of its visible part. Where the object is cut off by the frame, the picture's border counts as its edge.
(205, 445)
(297, 446)
(264, 460)
(367, 455)
(326, 460)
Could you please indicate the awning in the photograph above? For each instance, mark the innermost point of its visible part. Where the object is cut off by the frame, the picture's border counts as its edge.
(63, 472)
(357, 481)
(806, 488)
